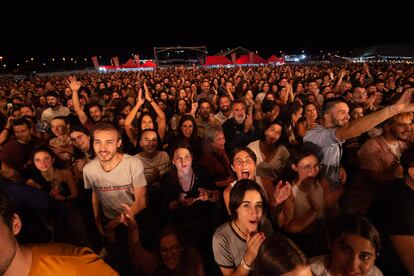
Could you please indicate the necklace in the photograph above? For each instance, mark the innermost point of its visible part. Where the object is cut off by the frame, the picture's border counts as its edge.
(241, 231)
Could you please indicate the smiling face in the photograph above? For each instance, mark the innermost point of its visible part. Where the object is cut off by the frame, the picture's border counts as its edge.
(96, 113)
(106, 144)
(58, 127)
(250, 212)
(307, 168)
(149, 141)
(401, 126)
(352, 255)
(147, 123)
(244, 166)
(339, 114)
(43, 161)
(170, 251)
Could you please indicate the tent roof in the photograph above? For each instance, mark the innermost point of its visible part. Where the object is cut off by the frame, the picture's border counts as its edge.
(274, 58)
(244, 59)
(130, 63)
(216, 60)
(149, 63)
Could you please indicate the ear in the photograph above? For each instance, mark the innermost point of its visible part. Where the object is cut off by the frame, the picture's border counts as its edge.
(119, 143)
(16, 225)
(232, 167)
(294, 167)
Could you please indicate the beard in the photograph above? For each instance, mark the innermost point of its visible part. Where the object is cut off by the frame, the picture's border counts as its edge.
(240, 120)
(9, 254)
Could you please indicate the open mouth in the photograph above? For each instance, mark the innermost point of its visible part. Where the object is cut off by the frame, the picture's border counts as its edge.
(245, 174)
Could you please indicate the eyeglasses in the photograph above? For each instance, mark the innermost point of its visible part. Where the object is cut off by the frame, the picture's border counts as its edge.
(172, 250)
(310, 167)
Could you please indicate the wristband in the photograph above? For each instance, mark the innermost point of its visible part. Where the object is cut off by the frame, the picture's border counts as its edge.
(245, 266)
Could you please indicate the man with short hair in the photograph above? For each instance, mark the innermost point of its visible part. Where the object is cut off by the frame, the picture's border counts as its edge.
(206, 93)
(205, 118)
(392, 213)
(42, 259)
(115, 179)
(55, 107)
(95, 110)
(239, 131)
(335, 129)
(379, 162)
(17, 152)
(225, 111)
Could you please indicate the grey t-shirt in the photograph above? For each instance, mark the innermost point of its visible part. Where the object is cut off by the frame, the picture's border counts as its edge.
(229, 248)
(117, 186)
(332, 151)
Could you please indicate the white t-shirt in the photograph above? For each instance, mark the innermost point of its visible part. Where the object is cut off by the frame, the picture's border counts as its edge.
(117, 186)
(318, 267)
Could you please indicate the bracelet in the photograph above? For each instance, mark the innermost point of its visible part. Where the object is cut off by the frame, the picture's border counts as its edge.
(245, 266)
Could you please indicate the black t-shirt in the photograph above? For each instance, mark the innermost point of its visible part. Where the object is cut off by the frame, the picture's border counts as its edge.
(392, 214)
(199, 213)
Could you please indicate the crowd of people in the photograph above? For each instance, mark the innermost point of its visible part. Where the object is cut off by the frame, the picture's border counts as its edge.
(255, 170)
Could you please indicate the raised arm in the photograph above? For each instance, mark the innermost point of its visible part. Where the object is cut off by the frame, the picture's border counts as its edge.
(142, 259)
(74, 86)
(161, 119)
(365, 123)
(6, 130)
(130, 118)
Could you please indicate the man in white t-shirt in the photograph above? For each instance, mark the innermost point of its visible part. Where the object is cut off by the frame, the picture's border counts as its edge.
(115, 179)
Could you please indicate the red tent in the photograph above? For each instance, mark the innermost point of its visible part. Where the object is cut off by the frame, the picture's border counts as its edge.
(217, 60)
(130, 63)
(149, 63)
(275, 59)
(244, 59)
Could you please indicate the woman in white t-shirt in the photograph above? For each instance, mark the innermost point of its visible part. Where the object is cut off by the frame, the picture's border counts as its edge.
(354, 244)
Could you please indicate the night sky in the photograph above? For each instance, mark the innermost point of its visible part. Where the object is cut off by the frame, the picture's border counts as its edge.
(84, 28)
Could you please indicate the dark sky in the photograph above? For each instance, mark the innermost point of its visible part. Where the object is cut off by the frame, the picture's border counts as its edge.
(84, 28)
